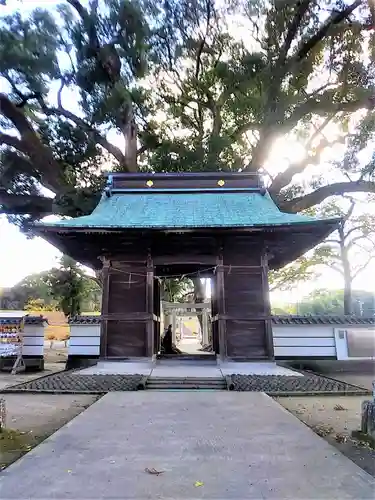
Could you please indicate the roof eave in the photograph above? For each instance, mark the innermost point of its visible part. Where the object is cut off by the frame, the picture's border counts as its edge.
(44, 228)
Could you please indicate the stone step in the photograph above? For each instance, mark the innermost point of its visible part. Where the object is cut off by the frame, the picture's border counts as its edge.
(187, 378)
(171, 387)
(188, 357)
(158, 383)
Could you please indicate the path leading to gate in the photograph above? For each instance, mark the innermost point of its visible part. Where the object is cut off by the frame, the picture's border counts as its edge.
(213, 445)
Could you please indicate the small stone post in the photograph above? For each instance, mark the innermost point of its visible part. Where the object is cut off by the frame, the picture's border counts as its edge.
(368, 418)
(2, 414)
(205, 328)
(174, 326)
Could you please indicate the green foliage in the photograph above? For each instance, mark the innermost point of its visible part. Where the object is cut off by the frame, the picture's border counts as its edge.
(302, 270)
(66, 288)
(176, 289)
(38, 305)
(203, 96)
(332, 302)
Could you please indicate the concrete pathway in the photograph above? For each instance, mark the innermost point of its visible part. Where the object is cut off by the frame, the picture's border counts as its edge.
(222, 445)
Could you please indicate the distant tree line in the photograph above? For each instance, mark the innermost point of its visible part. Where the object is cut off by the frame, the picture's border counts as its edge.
(330, 302)
(64, 288)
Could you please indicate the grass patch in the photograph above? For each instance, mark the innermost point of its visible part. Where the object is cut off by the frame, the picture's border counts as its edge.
(14, 444)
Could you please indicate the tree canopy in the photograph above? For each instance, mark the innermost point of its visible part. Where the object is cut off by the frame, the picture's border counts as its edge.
(191, 85)
(348, 251)
(332, 302)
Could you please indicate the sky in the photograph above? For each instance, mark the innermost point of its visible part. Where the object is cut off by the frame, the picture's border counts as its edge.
(20, 256)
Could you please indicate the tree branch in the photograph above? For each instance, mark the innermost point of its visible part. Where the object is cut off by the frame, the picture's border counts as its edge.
(336, 242)
(349, 213)
(25, 204)
(320, 194)
(203, 42)
(302, 7)
(11, 141)
(361, 268)
(87, 21)
(336, 18)
(335, 268)
(242, 129)
(32, 146)
(284, 178)
(354, 240)
(355, 228)
(113, 150)
(59, 93)
(324, 103)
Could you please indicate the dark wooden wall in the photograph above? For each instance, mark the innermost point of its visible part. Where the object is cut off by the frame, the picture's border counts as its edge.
(127, 315)
(246, 305)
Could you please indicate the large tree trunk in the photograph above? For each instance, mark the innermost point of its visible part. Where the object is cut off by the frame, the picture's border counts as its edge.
(348, 300)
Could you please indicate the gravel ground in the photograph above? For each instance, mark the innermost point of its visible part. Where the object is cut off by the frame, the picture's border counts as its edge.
(361, 380)
(7, 379)
(274, 384)
(271, 384)
(32, 417)
(55, 355)
(334, 418)
(74, 383)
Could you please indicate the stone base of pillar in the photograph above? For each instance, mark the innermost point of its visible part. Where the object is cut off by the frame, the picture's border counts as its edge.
(80, 361)
(32, 363)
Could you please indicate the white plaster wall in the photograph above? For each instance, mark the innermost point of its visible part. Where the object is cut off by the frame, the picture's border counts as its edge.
(305, 341)
(84, 340)
(33, 340)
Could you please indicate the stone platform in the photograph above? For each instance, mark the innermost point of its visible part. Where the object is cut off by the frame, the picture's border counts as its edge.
(186, 368)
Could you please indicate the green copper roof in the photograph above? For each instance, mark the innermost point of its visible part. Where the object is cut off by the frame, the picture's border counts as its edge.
(163, 210)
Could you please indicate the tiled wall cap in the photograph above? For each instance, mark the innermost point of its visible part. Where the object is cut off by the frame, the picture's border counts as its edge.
(85, 320)
(322, 320)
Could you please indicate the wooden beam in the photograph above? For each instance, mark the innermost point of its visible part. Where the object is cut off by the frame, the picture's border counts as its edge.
(165, 260)
(131, 316)
(185, 305)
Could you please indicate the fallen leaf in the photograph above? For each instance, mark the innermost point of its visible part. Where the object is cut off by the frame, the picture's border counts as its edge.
(339, 407)
(198, 483)
(154, 471)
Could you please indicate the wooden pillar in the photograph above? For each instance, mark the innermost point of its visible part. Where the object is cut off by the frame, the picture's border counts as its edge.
(150, 308)
(204, 327)
(267, 307)
(157, 317)
(104, 307)
(174, 325)
(214, 315)
(221, 307)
